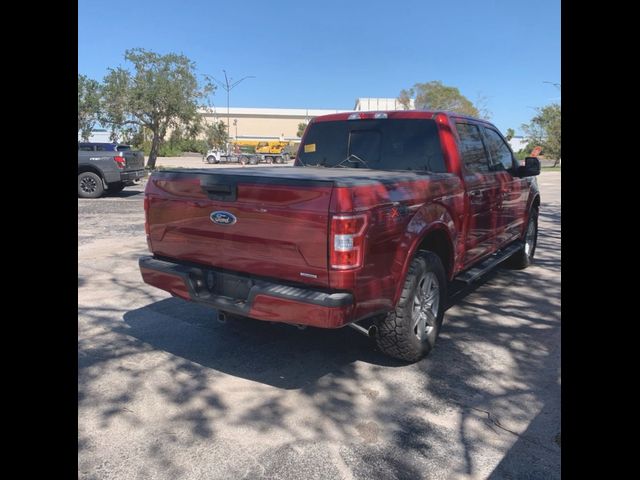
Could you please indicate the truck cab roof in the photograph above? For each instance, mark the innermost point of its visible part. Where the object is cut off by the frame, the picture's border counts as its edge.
(103, 146)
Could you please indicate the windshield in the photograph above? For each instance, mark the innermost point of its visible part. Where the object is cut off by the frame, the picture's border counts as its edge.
(401, 144)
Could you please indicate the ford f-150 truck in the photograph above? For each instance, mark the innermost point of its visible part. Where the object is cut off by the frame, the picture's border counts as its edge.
(379, 214)
(107, 167)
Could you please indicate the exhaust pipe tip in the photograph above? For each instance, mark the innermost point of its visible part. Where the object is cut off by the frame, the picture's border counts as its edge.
(373, 331)
(301, 327)
(222, 317)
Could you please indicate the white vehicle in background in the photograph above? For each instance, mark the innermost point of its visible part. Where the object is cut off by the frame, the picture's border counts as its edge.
(222, 156)
(236, 156)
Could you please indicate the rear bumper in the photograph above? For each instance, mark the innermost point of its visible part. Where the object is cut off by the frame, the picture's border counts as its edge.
(132, 176)
(249, 296)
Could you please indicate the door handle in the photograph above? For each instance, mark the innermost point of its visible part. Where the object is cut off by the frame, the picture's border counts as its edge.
(475, 193)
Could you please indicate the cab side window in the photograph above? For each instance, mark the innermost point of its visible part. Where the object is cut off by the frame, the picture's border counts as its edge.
(501, 156)
(474, 155)
(83, 147)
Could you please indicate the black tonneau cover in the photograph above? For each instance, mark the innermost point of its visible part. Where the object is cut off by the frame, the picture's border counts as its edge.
(339, 177)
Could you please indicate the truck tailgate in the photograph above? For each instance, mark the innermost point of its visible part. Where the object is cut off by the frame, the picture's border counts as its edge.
(134, 159)
(262, 225)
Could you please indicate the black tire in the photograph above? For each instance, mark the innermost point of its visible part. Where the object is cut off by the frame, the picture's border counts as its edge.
(398, 332)
(90, 185)
(269, 159)
(243, 160)
(116, 187)
(524, 257)
(253, 160)
(211, 159)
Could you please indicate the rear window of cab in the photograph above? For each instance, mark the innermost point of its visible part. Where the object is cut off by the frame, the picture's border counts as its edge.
(381, 144)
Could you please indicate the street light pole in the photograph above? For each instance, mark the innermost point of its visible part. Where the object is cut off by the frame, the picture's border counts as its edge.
(228, 90)
(228, 87)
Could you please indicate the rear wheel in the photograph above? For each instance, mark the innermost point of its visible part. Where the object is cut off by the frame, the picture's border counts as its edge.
(524, 257)
(90, 185)
(211, 159)
(253, 160)
(243, 160)
(410, 331)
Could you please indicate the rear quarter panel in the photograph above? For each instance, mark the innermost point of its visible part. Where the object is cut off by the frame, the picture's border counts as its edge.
(404, 213)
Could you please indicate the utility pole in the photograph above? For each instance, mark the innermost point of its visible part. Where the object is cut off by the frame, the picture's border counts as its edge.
(228, 87)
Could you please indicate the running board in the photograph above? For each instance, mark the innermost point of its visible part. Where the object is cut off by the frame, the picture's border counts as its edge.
(478, 271)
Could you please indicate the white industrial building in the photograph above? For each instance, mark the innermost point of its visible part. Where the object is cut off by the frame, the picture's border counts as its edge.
(282, 123)
(368, 104)
(98, 135)
(264, 124)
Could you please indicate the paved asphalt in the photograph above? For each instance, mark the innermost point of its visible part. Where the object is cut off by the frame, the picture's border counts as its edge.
(167, 392)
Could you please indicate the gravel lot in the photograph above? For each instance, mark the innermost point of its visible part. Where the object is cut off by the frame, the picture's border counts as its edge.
(167, 392)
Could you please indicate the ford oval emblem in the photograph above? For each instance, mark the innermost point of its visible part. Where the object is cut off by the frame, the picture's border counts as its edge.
(223, 218)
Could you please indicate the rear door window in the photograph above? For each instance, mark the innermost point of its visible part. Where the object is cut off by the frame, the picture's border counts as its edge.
(474, 155)
(83, 147)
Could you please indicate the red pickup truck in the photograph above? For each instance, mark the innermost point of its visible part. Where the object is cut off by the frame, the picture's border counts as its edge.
(379, 214)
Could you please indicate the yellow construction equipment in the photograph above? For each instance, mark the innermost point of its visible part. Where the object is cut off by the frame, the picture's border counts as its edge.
(271, 147)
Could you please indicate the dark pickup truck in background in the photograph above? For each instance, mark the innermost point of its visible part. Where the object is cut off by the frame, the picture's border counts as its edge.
(380, 213)
(106, 167)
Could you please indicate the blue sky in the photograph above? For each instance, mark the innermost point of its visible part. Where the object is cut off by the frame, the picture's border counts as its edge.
(325, 54)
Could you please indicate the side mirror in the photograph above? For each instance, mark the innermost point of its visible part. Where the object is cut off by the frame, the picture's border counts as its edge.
(531, 167)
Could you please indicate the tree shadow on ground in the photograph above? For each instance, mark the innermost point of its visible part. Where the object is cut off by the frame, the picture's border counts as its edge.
(124, 193)
(274, 354)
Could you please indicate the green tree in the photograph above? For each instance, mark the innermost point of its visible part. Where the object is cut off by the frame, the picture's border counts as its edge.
(481, 104)
(510, 134)
(88, 105)
(217, 135)
(544, 130)
(161, 92)
(435, 95)
(301, 128)
(405, 98)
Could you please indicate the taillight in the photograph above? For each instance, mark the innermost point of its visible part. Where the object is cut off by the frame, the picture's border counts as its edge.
(120, 162)
(347, 241)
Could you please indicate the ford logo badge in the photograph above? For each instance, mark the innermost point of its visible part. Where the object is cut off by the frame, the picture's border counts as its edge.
(223, 218)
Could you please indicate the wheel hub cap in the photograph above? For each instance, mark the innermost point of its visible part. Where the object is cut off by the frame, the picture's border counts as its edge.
(88, 185)
(425, 305)
(530, 238)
